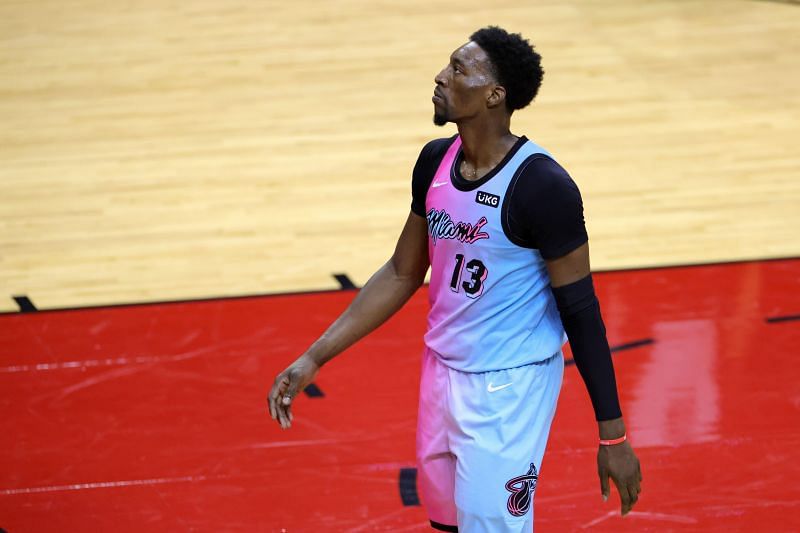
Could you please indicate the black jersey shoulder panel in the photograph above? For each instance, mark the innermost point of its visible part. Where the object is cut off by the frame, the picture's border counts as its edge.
(430, 157)
(542, 208)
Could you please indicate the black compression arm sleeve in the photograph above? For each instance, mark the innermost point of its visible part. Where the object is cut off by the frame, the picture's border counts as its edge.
(580, 314)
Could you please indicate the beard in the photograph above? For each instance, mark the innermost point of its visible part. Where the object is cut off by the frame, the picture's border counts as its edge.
(439, 119)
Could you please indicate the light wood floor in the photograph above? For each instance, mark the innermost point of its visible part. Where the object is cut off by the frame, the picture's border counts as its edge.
(157, 150)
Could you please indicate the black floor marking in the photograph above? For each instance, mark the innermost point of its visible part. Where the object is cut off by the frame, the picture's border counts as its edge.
(312, 391)
(620, 348)
(25, 306)
(408, 486)
(444, 527)
(631, 345)
(344, 281)
(787, 318)
(310, 292)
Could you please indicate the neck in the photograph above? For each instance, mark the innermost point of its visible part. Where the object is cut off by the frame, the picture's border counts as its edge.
(485, 140)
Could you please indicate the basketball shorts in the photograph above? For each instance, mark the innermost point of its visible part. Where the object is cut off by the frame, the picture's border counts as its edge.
(480, 442)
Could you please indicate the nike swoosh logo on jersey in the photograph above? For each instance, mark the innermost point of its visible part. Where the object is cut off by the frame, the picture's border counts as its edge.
(495, 389)
(438, 184)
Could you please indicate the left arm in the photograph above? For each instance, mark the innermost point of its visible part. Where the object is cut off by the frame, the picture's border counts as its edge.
(546, 213)
(572, 286)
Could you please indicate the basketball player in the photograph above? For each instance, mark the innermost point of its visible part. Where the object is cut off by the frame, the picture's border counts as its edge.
(501, 226)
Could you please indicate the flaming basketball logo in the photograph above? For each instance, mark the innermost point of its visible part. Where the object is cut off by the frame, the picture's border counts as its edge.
(521, 489)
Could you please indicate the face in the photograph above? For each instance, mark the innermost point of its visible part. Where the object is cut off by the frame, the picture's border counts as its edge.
(464, 87)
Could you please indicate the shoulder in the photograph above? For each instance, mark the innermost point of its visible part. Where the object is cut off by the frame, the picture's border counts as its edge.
(429, 160)
(434, 150)
(430, 157)
(545, 209)
(542, 176)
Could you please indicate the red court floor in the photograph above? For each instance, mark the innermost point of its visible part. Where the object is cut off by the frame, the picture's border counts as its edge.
(153, 418)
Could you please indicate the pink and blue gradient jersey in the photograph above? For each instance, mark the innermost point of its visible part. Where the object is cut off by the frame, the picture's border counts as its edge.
(491, 306)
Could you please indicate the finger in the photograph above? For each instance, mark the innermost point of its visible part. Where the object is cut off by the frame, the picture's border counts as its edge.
(286, 398)
(273, 396)
(633, 493)
(283, 418)
(287, 416)
(625, 500)
(624, 497)
(277, 388)
(271, 406)
(285, 409)
(635, 483)
(283, 412)
(291, 389)
(604, 490)
(632, 498)
(278, 413)
(273, 402)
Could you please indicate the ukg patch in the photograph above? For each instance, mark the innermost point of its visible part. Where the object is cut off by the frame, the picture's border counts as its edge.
(485, 198)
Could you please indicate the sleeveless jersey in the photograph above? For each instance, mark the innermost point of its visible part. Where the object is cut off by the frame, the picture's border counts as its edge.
(491, 306)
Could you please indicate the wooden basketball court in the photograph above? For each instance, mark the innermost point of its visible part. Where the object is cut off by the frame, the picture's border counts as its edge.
(154, 152)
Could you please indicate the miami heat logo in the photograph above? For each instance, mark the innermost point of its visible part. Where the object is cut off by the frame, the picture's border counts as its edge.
(521, 489)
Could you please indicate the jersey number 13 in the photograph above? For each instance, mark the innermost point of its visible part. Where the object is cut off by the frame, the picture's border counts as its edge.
(476, 272)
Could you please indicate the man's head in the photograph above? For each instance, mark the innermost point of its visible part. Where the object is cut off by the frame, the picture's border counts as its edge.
(495, 72)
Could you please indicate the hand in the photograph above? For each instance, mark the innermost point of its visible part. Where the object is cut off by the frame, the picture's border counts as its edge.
(620, 463)
(288, 383)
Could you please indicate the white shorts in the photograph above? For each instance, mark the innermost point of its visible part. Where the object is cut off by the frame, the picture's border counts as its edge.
(480, 442)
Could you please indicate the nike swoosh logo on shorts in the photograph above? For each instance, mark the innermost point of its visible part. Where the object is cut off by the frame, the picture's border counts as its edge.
(438, 184)
(490, 388)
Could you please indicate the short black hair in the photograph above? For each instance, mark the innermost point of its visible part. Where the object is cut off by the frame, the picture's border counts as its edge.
(516, 65)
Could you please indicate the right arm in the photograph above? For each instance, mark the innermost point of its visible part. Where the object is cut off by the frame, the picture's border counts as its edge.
(382, 296)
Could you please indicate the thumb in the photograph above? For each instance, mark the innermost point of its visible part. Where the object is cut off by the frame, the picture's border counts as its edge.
(604, 490)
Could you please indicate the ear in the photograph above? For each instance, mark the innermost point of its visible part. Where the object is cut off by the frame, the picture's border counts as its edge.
(496, 97)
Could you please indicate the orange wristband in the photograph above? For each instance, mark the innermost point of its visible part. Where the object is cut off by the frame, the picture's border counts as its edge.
(612, 442)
